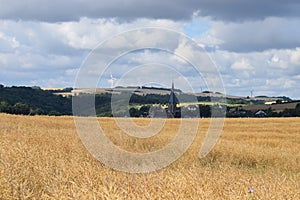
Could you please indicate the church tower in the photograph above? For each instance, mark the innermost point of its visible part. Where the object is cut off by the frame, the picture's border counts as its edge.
(173, 101)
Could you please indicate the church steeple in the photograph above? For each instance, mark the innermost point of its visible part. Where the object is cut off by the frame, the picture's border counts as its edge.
(173, 86)
(172, 101)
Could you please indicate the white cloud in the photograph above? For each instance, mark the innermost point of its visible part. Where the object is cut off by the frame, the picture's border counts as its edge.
(295, 57)
(251, 55)
(271, 72)
(87, 33)
(36, 47)
(8, 43)
(186, 50)
(241, 65)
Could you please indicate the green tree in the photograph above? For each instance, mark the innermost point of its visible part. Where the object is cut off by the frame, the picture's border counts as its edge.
(144, 110)
(54, 113)
(134, 112)
(205, 111)
(4, 107)
(21, 108)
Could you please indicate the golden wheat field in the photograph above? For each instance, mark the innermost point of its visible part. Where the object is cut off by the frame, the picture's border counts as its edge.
(43, 157)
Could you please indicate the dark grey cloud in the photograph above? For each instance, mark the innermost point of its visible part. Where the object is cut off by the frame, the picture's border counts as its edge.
(68, 10)
(240, 10)
(252, 36)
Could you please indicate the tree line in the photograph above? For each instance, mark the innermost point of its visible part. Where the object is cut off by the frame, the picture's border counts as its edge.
(35, 101)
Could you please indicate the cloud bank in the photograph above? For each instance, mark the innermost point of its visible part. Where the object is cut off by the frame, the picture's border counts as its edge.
(255, 44)
(73, 10)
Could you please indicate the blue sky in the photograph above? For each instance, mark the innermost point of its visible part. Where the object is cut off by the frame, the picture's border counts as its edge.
(196, 28)
(255, 45)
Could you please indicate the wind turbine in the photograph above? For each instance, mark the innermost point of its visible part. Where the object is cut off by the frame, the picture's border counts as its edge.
(111, 80)
(251, 93)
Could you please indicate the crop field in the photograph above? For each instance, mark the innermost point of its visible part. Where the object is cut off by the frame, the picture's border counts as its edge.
(42, 157)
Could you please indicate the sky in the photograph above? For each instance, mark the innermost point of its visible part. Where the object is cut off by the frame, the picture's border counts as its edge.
(255, 45)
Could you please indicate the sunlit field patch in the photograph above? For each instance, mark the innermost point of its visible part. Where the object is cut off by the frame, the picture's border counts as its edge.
(42, 157)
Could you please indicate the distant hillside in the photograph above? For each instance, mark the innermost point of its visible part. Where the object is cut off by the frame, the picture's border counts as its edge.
(166, 91)
(118, 90)
(33, 100)
(37, 101)
(275, 107)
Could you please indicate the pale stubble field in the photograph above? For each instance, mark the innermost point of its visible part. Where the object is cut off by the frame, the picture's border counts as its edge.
(42, 157)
